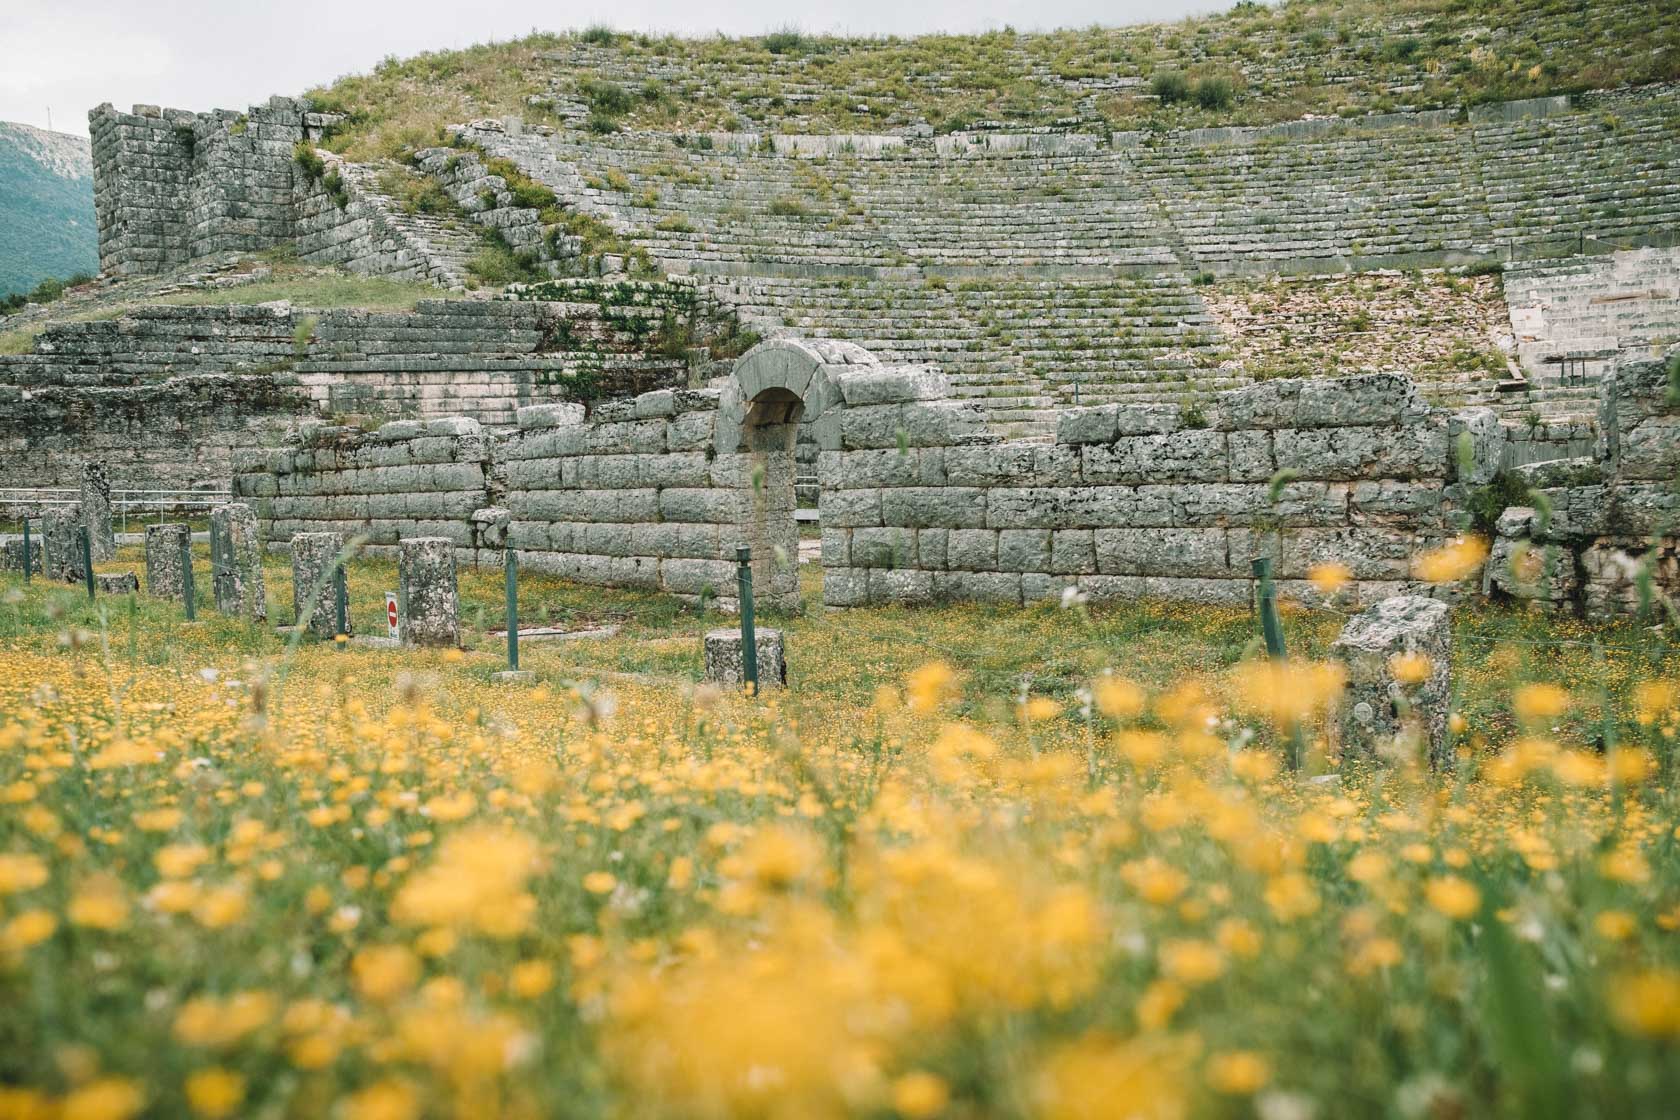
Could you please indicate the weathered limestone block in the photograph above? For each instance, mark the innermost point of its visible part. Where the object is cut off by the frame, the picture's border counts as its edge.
(96, 511)
(427, 589)
(164, 543)
(724, 664)
(61, 538)
(117, 583)
(490, 527)
(1395, 707)
(312, 563)
(236, 572)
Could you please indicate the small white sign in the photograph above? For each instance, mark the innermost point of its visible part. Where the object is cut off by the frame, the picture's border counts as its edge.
(391, 614)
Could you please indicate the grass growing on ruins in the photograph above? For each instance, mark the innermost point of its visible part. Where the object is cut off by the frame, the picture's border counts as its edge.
(1253, 64)
(977, 862)
(304, 285)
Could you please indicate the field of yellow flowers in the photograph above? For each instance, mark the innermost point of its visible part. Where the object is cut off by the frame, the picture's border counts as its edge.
(1020, 863)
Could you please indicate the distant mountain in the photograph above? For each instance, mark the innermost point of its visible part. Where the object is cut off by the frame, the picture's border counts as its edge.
(46, 207)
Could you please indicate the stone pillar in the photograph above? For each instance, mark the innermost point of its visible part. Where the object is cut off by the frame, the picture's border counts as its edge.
(12, 559)
(312, 557)
(117, 583)
(61, 539)
(426, 587)
(163, 560)
(96, 510)
(723, 658)
(1398, 657)
(236, 575)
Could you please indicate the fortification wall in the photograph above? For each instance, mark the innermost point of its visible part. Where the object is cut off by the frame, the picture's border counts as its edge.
(172, 186)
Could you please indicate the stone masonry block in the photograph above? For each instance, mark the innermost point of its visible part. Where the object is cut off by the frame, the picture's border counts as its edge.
(1385, 713)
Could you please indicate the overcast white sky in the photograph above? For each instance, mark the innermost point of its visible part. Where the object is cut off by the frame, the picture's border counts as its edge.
(70, 55)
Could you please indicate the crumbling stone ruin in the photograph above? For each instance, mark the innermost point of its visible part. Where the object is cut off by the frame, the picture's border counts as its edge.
(992, 374)
(920, 504)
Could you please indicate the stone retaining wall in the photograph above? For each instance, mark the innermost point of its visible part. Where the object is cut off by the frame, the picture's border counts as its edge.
(918, 504)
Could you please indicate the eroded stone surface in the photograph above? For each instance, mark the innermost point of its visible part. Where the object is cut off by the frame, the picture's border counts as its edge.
(236, 562)
(313, 555)
(164, 544)
(430, 600)
(1398, 658)
(724, 658)
(61, 539)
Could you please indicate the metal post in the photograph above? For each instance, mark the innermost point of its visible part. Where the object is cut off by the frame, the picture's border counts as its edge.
(28, 565)
(1270, 624)
(341, 601)
(87, 560)
(749, 636)
(1272, 627)
(189, 592)
(511, 569)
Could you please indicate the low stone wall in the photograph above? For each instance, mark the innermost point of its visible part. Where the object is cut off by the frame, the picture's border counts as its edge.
(407, 479)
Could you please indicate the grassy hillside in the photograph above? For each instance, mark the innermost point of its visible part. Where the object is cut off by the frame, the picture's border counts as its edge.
(46, 207)
(1252, 64)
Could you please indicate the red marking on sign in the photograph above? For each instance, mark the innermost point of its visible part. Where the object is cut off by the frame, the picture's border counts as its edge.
(391, 613)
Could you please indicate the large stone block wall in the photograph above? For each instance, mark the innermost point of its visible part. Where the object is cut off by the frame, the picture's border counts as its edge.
(639, 496)
(1133, 500)
(918, 504)
(1601, 533)
(172, 186)
(407, 479)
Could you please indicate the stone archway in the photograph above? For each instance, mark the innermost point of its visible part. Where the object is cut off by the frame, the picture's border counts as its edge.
(775, 390)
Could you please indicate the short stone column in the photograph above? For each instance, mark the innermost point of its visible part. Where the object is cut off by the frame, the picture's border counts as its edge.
(96, 510)
(312, 560)
(724, 662)
(236, 576)
(1398, 658)
(431, 605)
(61, 540)
(12, 558)
(164, 544)
(117, 583)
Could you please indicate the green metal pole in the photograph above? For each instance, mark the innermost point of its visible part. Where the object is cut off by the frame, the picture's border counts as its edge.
(1272, 627)
(28, 565)
(189, 591)
(1270, 624)
(511, 569)
(341, 600)
(87, 560)
(749, 635)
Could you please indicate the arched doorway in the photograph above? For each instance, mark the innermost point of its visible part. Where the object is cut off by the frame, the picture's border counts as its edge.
(777, 391)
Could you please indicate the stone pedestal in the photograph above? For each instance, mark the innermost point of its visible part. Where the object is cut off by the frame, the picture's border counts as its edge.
(116, 583)
(163, 560)
(426, 589)
(96, 510)
(236, 562)
(12, 558)
(61, 541)
(312, 558)
(1395, 706)
(723, 658)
